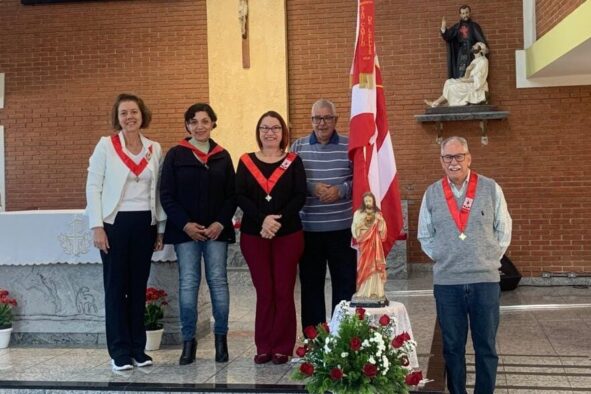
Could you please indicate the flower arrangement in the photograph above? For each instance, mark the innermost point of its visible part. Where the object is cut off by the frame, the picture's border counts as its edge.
(361, 358)
(154, 312)
(6, 305)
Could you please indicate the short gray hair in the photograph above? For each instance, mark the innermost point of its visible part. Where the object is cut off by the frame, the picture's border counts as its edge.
(461, 140)
(324, 103)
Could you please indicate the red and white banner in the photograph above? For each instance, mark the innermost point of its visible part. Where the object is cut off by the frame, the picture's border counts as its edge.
(370, 144)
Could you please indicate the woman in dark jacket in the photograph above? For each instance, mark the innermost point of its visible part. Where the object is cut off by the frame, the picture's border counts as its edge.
(197, 192)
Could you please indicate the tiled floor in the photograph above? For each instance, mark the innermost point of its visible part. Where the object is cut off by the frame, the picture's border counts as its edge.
(542, 349)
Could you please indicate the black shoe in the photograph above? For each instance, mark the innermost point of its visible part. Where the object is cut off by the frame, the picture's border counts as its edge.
(221, 348)
(188, 354)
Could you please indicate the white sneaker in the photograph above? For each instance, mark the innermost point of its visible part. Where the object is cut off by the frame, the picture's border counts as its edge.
(123, 367)
(144, 363)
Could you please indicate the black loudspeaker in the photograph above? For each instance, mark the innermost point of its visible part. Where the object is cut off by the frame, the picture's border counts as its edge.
(510, 275)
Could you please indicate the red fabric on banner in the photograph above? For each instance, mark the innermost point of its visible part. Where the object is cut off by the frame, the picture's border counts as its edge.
(363, 63)
(370, 144)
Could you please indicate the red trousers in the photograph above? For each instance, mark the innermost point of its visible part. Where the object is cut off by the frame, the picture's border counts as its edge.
(273, 266)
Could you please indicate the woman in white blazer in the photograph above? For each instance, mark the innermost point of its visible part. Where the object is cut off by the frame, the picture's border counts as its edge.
(127, 223)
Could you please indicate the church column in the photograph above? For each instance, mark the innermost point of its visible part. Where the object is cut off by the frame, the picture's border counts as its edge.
(247, 55)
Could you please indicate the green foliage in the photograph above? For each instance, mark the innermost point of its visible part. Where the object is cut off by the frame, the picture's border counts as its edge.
(5, 316)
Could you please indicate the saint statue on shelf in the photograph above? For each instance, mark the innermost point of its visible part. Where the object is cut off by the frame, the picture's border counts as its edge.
(369, 230)
(472, 88)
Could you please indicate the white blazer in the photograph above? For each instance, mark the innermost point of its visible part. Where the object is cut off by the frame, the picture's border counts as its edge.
(107, 175)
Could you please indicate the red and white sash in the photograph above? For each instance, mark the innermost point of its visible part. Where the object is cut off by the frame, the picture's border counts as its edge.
(136, 168)
(460, 217)
(267, 184)
(204, 157)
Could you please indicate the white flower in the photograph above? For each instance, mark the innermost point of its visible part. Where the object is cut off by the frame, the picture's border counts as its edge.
(409, 346)
(381, 347)
(365, 343)
(371, 360)
(344, 354)
(386, 362)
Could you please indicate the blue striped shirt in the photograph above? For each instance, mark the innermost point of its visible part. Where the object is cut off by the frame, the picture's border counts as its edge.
(326, 163)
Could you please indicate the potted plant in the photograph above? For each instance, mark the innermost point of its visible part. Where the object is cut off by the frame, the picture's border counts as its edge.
(6, 305)
(153, 314)
(363, 357)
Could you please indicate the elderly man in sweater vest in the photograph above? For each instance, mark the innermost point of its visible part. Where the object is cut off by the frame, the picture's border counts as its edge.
(326, 216)
(465, 228)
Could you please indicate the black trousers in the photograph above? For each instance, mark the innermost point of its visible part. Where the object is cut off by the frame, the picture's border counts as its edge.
(333, 247)
(125, 274)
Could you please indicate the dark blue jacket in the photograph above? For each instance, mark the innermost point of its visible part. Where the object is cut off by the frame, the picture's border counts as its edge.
(193, 192)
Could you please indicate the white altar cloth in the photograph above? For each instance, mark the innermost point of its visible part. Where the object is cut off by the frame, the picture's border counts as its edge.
(395, 310)
(52, 236)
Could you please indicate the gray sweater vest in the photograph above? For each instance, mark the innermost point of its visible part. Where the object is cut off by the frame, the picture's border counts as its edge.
(475, 259)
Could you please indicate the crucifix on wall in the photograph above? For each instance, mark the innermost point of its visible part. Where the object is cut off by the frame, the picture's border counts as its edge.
(243, 17)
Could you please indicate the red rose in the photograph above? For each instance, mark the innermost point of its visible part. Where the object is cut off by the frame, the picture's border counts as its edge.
(413, 378)
(360, 313)
(301, 351)
(384, 320)
(325, 327)
(310, 332)
(307, 369)
(355, 344)
(336, 374)
(399, 340)
(404, 361)
(370, 370)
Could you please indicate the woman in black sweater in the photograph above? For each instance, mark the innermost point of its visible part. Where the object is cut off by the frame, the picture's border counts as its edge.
(271, 190)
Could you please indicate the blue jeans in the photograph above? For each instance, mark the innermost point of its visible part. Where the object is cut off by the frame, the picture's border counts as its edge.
(476, 304)
(189, 259)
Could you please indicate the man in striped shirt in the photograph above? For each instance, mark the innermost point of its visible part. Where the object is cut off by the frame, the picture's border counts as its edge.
(326, 216)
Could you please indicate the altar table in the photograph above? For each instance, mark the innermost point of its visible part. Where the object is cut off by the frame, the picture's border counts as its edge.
(52, 236)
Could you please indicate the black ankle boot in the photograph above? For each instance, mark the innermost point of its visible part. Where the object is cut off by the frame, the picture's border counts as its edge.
(188, 354)
(221, 348)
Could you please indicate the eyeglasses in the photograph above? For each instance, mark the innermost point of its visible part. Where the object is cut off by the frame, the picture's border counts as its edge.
(326, 119)
(272, 129)
(195, 122)
(459, 157)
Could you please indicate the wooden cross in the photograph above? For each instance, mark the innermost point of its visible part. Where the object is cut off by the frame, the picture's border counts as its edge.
(243, 16)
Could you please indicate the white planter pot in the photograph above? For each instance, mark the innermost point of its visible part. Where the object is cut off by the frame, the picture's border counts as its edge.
(153, 339)
(5, 337)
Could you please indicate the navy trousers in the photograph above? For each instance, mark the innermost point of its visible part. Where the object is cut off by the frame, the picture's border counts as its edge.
(125, 274)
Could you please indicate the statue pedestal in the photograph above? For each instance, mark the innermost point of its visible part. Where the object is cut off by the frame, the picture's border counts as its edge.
(369, 302)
